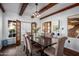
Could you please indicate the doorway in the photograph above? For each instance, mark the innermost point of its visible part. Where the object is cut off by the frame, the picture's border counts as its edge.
(15, 30)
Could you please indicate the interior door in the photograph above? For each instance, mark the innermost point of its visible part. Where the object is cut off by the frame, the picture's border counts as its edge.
(18, 32)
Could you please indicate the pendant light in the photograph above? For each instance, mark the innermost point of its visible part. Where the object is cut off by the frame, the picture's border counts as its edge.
(36, 13)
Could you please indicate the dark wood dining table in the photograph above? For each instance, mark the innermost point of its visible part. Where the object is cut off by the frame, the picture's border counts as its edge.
(42, 40)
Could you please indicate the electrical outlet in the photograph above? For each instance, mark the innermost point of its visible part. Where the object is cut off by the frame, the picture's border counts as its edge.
(68, 41)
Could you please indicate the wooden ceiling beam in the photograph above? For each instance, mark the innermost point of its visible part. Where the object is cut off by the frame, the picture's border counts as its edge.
(23, 7)
(61, 10)
(47, 7)
(2, 8)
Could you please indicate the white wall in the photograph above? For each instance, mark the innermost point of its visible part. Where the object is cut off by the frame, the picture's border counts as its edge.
(1, 26)
(14, 16)
(74, 43)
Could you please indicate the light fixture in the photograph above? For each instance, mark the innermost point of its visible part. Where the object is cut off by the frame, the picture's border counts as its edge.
(36, 13)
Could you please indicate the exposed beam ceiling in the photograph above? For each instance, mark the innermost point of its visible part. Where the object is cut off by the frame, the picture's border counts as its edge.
(23, 7)
(45, 8)
(2, 8)
(61, 10)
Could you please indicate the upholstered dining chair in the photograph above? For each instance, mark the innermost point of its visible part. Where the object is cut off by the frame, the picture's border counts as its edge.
(58, 51)
(31, 49)
(24, 42)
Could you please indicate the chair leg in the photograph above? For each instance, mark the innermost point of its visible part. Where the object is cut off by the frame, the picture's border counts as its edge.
(30, 54)
(43, 54)
(27, 53)
(24, 48)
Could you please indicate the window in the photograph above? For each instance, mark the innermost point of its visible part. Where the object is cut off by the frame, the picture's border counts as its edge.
(46, 27)
(12, 28)
(33, 27)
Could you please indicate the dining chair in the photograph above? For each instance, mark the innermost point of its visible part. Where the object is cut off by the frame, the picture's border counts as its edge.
(47, 38)
(24, 42)
(31, 49)
(58, 51)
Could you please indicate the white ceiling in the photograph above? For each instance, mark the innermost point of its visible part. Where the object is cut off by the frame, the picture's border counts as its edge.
(12, 7)
(15, 8)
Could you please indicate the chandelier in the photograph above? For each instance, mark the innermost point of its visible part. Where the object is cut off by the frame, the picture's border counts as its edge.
(36, 13)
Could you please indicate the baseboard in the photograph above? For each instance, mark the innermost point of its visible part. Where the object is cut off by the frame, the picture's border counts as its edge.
(70, 52)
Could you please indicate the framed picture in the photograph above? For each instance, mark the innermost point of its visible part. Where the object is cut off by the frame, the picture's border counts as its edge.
(73, 27)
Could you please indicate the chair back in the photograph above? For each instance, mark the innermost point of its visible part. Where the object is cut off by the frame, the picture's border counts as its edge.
(47, 38)
(60, 46)
(24, 40)
(28, 44)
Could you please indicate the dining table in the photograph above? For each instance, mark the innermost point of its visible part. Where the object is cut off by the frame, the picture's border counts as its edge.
(42, 40)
